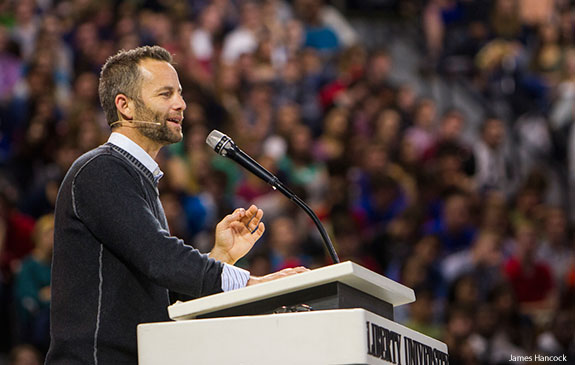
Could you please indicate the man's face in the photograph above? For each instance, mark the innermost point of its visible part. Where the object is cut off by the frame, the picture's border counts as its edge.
(494, 133)
(160, 102)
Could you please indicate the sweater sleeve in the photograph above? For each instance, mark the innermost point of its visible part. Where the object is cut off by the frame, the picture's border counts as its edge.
(111, 202)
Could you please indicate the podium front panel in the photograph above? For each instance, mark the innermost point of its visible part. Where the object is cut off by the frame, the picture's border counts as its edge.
(346, 336)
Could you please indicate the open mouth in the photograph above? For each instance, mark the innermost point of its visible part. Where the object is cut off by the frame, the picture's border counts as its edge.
(177, 121)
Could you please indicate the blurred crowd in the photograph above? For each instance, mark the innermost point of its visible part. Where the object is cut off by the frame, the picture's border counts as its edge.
(475, 217)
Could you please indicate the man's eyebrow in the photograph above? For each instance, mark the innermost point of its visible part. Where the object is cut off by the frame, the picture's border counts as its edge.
(168, 88)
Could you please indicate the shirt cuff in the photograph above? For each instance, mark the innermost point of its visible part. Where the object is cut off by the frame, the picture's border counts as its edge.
(234, 277)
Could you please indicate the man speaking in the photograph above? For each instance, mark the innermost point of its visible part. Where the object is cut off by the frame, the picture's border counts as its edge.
(115, 263)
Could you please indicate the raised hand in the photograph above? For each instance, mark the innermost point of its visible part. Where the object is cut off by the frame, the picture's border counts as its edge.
(237, 233)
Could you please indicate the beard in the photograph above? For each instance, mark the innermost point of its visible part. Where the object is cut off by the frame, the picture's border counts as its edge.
(159, 132)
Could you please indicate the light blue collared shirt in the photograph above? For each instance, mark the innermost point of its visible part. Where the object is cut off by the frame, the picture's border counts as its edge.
(232, 277)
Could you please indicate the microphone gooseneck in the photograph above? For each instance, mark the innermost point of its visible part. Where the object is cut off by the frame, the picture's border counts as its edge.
(224, 146)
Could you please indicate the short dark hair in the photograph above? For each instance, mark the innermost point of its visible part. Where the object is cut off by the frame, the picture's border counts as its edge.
(121, 75)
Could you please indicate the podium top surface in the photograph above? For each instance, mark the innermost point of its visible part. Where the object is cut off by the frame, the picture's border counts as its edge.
(347, 273)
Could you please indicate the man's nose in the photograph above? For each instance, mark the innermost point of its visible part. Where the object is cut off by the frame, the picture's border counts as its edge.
(180, 103)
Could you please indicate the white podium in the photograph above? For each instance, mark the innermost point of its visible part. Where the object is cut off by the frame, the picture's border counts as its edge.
(350, 322)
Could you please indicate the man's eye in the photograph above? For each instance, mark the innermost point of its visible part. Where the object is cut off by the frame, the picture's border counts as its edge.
(166, 94)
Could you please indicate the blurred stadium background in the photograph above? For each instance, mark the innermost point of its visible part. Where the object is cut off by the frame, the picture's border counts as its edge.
(434, 138)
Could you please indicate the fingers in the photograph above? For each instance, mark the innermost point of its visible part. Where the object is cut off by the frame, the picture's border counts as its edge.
(243, 230)
(277, 275)
(288, 272)
(256, 220)
(250, 213)
(237, 214)
(260, 231)
(295, 270)
(245, 216)
(239, 228)
(252, 218)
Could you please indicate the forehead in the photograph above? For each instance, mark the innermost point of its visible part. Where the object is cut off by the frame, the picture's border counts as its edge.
(158, 74)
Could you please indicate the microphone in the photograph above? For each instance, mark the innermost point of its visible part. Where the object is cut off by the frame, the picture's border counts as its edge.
(224, 146)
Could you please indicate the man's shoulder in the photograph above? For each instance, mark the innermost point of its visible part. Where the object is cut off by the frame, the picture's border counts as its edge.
(102, 157)
(104, 149)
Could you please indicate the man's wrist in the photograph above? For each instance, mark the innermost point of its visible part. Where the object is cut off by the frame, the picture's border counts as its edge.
(253, 280)
(221, 256)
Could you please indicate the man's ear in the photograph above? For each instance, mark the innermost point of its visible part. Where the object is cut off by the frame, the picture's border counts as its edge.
(124, 106)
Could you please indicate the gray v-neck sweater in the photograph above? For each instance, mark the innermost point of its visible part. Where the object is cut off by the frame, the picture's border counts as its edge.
(115, 264)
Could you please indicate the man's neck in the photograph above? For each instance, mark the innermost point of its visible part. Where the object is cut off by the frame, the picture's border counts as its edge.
(151, 147)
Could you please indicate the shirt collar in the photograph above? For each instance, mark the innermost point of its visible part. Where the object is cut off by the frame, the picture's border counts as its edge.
(138, 152)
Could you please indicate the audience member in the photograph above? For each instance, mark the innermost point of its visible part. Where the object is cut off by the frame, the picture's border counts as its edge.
(483, 261)
(32, 287)
(454, 227)
(525, 272)
(496, 167)
(555, 249)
